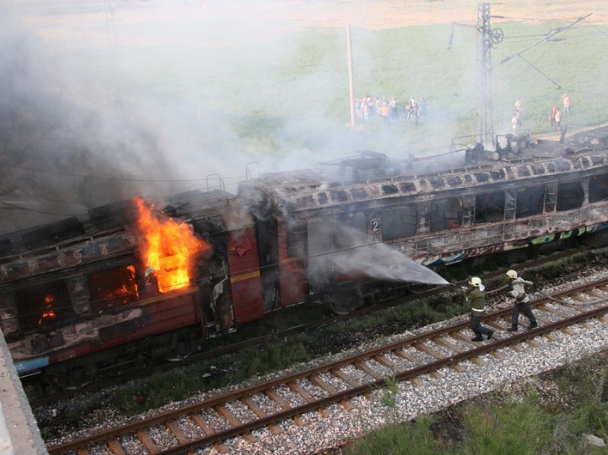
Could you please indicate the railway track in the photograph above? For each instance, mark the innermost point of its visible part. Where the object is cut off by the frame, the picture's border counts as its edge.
(60, 395)
(266, 405)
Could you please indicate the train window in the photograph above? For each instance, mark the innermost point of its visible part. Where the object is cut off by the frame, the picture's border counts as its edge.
(43, 307)
(530, 201)
(399, 222)
(598, 188)
(355, 220)
(296, 241)
(113, 288)
(490, 207)
(446, 214)
(570, 196)
(335, 234)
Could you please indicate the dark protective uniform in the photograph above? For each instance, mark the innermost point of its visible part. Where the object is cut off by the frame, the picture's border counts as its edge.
(521, 302)
(477, 299)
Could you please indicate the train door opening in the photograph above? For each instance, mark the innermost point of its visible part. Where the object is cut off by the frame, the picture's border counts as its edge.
(333, 277)
(267, 233)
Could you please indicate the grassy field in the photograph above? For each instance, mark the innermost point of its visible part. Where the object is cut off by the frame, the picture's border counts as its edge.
(207, 87)
(280, 91)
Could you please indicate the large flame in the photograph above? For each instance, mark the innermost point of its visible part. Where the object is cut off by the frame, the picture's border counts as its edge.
(169, 248)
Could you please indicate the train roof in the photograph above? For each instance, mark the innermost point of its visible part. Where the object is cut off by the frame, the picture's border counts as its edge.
(370, 176)
(111, 219)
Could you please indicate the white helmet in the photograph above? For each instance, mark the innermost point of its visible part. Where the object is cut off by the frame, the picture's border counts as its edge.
(475, 281)
(512, 274)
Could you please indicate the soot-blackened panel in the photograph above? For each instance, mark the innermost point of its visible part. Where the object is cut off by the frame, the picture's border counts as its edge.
(91, 252)
(339, 195)
(407, 187)
(454, 180)
(70, 227)
(359, 193)
(6, 247)
(390, 189)
(482, 177)
(537, 169)
(38, 237)
(437, 182)
(307, 201)
(208, 225)
(498, 174)
(112, 215)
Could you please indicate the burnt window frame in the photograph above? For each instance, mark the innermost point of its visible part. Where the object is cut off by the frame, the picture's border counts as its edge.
(524, 208)
(99, 302)
(598, 189)
(500, 197)
(30, 315)
(438, 221)
(396, 222)
(565, 200)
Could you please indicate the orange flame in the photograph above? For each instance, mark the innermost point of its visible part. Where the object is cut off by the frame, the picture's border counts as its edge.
(169, 248)
(48, 312)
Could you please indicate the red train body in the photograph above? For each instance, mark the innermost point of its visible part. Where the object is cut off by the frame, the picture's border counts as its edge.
(78, 298)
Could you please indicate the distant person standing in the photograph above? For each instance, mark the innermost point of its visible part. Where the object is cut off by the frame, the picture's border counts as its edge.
(552, 117)
(558, 119)
(566, 101)
(519, 107)
(515, 123)
(477, 299)
(392, 105)
(385, 112)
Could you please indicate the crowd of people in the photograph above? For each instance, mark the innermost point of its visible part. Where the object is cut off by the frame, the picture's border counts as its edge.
(370, 107)
(555, 116)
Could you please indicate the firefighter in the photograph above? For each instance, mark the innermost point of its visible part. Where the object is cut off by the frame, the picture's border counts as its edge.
(477, 299)
(521, 300)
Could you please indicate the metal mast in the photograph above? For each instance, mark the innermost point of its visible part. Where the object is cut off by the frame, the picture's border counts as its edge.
(483, 104)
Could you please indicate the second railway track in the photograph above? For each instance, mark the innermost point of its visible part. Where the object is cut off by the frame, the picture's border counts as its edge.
(58, 395)
(241, 413)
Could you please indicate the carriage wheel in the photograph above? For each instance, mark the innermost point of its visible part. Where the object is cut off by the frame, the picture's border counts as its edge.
(345, 302)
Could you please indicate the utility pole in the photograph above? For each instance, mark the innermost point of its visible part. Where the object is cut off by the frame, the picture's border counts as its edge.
(110, 26)
(483, 104)
(486, 39)
(351, 84)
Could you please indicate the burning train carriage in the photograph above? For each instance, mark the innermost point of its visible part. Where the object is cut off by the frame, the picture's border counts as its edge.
(437, 213)
(82, 297)
(79, 297)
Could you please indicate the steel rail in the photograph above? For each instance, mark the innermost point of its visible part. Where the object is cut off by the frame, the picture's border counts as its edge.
(410, 373)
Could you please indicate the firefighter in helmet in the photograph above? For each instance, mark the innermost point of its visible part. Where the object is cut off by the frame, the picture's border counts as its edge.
(521, 300)
(476, 297)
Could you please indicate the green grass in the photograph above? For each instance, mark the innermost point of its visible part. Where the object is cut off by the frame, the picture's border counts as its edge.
(497, 425)
(295, 93)
(192, 95)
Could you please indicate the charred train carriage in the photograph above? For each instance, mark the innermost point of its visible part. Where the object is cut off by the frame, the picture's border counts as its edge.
(132, 282)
